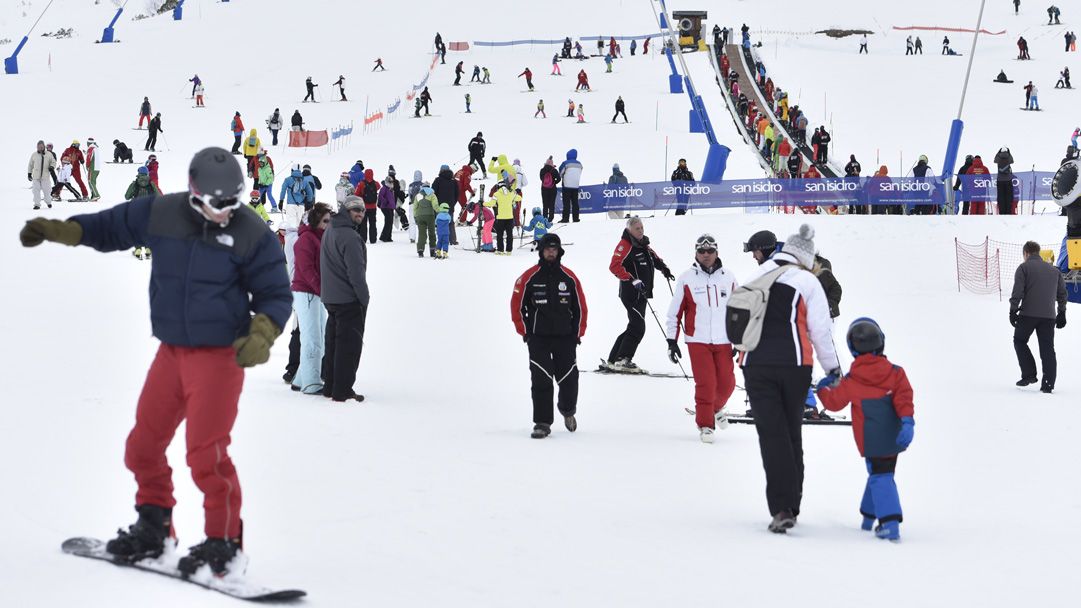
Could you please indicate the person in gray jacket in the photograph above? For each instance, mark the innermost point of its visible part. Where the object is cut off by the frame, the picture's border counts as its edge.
(617, 179)
(1037, 287)
(343, 262)
(40, 172)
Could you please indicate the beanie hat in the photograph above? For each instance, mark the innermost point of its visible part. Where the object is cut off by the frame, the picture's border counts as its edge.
(615, 167)
(143, 171)
(353, 202)
(444, 167)
(802, 246)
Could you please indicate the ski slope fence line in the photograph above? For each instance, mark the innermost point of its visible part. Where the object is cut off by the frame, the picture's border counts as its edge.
(546, 42)
(988, 267)
(378, 117)
(935, 28)
(906, 192)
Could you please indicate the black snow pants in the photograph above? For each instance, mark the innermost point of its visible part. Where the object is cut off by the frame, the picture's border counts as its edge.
(777, 395)
(553, 359)
(627, 342)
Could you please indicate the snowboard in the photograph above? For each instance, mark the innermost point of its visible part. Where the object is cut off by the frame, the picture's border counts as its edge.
(123, 162)
(1031, 110)
(1002, 81)
(837, 420)
(165, 565)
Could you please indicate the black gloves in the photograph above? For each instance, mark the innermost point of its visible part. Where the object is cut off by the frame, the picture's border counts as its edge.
(1060, 320)
(30, 177)
(1014, 317)
(668, 274)
(674, 354)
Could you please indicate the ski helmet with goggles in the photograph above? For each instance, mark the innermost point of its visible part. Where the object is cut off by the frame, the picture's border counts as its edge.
(865, 336)
(763, 240)
(705, 243)
(216, 179)
(1066, 185)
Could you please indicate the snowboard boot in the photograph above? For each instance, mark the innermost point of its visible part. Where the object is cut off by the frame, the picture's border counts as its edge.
(144, 538)
(1046, 387)
(218, 553)
(868, 524)
(571, 423)
(1026, 381)
(782, 522)
(889, 530)
(540, 431)
(626, 366)
(705, 434)
(288, 377)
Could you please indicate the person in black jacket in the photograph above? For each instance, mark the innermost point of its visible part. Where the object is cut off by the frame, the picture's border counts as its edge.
(153, 130)
(1004, 162)
(852, 173)
(446, 190)
(425, 99)
(1038, 292)
(633, 263)
(549, 178)
(477, 147)
(311, 89)
(121, 152)
(682, 174)
(620, 107)
(297, 121)
(548, 308)
(958, 184)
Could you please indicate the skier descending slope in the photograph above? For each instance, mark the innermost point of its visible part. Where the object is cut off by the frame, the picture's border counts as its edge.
(633, 263)
(216, 264)
(549, 311)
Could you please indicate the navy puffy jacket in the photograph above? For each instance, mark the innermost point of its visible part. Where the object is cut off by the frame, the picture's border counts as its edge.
(205, 281)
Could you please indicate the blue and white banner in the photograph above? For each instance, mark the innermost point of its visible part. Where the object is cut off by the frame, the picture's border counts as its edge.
(907, 191)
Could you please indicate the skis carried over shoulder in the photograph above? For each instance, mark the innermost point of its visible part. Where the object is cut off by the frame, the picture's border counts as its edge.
(232, 585)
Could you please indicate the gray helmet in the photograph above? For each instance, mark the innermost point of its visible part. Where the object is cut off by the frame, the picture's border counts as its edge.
(215, 178)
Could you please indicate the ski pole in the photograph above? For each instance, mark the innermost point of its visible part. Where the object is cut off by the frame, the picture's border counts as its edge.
(663, 333)
(166, 142)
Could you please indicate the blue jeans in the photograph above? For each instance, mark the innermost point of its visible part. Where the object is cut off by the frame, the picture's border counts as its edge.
(312, 319)
(267, 192)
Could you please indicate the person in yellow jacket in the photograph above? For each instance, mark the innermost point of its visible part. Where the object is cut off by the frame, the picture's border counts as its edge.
(498, 165)
(503, 199)
(783, 105)
(252, 145)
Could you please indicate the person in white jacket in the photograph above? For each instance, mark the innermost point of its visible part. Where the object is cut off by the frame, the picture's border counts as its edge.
(698, 309)
(777, 373)
(40, 172)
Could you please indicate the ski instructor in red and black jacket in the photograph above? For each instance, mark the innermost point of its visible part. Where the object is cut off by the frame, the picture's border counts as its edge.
(549, 311)
(633, 263)
(219, 297)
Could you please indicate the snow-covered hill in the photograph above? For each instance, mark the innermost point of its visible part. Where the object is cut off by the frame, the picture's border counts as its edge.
(431, 492)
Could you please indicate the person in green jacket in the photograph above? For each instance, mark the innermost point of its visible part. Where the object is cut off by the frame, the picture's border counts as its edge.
(424, 212)
(141, 186)
(256, 203)
(92, 170)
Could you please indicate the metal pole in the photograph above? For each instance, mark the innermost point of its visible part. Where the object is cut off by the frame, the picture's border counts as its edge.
(971, 56)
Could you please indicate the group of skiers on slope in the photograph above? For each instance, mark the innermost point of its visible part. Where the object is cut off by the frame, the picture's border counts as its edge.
(615, 49)
(274, 124)
(153, 125)
(50, 176)
(310, 86)
(549, 311)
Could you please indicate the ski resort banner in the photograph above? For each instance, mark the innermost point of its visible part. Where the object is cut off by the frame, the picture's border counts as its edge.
(907, 191)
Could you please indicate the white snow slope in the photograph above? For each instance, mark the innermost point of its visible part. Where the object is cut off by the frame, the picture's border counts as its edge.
(431, 492)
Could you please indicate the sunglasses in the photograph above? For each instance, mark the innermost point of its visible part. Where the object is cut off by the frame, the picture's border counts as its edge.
(707, 250)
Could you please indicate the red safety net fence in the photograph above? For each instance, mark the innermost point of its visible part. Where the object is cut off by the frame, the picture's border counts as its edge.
(988, 267)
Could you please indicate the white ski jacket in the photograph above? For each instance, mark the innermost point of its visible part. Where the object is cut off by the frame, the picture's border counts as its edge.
(700, 304)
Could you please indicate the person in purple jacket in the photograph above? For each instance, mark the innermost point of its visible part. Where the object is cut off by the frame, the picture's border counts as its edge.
(311, 316)
(387, 203)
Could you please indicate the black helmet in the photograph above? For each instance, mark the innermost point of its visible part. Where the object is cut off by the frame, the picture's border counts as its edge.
(763, 240)
(550, 240)
(215, 178)
(865, 336)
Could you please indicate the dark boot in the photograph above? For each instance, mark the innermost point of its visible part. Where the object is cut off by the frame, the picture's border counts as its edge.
(146, 537)
(213, 552)
(540, 431)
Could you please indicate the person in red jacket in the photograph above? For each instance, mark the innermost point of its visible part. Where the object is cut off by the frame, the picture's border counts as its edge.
(882, 421)
(311, 315)
(369, 191)
(528, 78)
(75, 156)
(465, 189)
(583, 81)
(725, 65)
(152, 169)
(633, 263)
(978, 168)
(548, 308)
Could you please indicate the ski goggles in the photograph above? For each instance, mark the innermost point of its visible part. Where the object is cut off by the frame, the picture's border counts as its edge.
(706, 250)
(215, 202)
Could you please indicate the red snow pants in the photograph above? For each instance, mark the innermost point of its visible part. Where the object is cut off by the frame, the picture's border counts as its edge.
(714, 380)
(202, 386)
(77, 175)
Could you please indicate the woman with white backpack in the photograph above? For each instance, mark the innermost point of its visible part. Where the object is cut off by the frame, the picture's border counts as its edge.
(698, 310)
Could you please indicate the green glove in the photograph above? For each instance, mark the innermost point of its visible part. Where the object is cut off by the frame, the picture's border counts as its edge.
(39, 229)
(254, 348)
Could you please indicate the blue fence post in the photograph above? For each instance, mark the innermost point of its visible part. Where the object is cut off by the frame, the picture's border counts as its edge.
(107, 35)
(716, 163)
(178, 11)
(11, 64)
(954, 144)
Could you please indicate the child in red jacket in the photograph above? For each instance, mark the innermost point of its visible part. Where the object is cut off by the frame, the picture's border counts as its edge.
(882, 422)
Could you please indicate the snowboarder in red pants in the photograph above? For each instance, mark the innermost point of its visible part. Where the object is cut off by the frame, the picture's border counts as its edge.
(215, 266)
